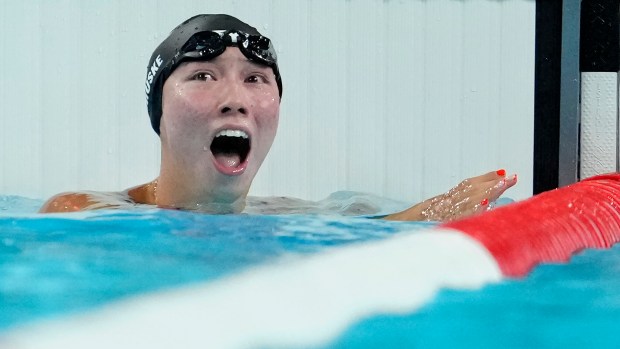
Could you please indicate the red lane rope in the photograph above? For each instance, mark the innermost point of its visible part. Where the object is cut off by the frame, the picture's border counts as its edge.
(550, 226)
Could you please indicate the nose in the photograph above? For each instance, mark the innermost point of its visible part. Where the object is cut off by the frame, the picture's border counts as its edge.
(234, 100)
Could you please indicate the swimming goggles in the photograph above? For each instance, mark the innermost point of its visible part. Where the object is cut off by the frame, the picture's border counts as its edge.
(210, 44)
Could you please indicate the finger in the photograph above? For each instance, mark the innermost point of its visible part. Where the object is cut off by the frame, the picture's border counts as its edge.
(502, 186)
(511, 180)
(480, 197)
(475, 190)
(469, 184)
(472, 190)
(489, 191)
(489, 176)
(493, 193)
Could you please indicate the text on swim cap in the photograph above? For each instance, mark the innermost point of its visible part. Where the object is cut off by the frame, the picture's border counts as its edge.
(151, 73)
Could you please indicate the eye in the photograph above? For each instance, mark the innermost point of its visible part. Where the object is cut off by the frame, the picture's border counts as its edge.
(203, 76)
(256, 78)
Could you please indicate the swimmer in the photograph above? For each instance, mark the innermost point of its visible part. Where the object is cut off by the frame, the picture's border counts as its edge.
(213, 96)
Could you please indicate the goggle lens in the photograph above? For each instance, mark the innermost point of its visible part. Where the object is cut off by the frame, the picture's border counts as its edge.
(208, 45)
(261, 48)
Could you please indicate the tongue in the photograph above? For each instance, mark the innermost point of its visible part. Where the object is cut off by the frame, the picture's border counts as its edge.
(228, 159)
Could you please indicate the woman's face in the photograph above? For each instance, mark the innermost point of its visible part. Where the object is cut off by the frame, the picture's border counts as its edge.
(219, 119)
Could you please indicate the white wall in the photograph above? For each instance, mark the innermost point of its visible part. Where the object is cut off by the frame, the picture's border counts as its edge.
(398, 98)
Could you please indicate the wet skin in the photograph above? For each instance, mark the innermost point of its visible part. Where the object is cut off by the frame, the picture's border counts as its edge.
(472, 196)
(199, 100)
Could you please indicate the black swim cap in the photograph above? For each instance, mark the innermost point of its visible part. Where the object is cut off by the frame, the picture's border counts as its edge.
(162, 62)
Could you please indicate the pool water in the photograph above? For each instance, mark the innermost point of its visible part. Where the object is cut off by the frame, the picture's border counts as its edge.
(52, 265)
(574, 305)
(56, 264)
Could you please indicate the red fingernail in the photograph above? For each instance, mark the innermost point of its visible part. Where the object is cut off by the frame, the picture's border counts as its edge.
(484, 202)
(501, 172)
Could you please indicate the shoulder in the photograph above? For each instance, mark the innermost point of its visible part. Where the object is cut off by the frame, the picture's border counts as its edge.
(81, 201)
(95, 200)
(66, 202)
(143, 193)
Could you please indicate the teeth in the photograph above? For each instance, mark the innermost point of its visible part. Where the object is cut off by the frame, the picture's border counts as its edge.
(232, 133)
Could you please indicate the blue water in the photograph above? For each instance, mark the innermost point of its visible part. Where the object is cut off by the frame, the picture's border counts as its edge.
(58, 264)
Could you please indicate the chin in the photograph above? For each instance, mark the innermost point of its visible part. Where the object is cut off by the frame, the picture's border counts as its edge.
(231, 188)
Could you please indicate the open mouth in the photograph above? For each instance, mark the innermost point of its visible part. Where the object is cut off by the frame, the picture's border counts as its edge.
(230, 149)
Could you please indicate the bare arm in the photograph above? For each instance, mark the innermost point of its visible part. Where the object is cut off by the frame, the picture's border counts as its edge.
(471, 196)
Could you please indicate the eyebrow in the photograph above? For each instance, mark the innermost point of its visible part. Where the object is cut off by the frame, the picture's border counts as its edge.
(244, 60)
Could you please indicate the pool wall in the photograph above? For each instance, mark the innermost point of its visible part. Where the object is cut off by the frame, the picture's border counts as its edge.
(398, 98)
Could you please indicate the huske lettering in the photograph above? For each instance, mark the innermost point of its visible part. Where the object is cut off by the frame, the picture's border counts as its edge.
(151, 74)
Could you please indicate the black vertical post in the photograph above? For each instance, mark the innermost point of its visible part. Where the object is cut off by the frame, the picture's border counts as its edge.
(547, 94)
(600, 36)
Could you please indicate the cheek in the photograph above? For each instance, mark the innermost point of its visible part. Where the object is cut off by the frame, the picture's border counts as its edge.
(269, 112)
(268, 104)
(184, 110)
